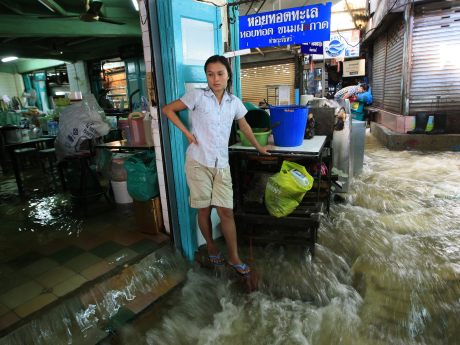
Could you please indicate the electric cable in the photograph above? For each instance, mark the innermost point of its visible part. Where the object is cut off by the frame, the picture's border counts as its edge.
(373, 29)
(250, 7)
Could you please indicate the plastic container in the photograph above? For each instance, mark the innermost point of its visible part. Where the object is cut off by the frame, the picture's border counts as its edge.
(120, 192)
(258, 118)
(288, 124)
(136, 127)
(25, 135)
(299, 178)
(123, 125)
(13, 134)
(118, 172)
(148, 129)
(53, 128)
(261, 135)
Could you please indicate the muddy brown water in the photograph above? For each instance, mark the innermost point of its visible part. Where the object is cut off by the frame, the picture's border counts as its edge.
(386, 271)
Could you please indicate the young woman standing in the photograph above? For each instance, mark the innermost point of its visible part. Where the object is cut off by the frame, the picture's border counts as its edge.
(212, 112)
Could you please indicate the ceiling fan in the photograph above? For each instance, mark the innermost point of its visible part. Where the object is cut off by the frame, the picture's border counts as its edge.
(92, 14)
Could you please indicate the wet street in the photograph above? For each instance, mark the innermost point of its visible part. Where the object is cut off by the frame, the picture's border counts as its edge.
(386, 271)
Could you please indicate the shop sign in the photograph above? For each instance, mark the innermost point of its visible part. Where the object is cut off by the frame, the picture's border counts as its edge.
(289, 26)
(343, 44)
(312, 48)
(354, 68)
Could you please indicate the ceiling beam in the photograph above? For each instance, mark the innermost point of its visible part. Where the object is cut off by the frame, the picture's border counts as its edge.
(54, 6)
(14, 26)
(12, 7)
(8, 39)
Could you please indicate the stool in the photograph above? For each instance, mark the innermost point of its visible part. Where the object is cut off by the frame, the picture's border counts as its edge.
(47, 155)
(26, 153)
(88, 181)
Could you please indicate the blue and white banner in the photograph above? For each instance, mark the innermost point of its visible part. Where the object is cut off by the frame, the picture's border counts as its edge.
(289, 26)
(344, 44)
(312, 48)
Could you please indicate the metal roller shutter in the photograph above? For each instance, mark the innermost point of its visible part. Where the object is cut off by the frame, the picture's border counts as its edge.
(254, 80)
(435, 54)
(393, 68)
(378, 70)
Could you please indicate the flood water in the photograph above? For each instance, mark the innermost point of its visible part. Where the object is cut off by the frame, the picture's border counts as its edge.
(386, 271)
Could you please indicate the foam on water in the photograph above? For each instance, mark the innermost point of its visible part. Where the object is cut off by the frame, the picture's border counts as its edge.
(386, 270)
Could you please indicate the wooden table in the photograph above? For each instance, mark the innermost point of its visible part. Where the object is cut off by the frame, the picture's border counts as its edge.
(38, 143)
(122, 145)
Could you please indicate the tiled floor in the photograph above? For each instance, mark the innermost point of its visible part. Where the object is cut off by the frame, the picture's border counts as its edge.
(47, 251)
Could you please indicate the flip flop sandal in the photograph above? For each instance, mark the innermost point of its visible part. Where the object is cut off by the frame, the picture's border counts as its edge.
(216, 260)
(242, 269)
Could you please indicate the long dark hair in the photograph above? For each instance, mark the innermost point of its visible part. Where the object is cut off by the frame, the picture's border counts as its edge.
(224, 61)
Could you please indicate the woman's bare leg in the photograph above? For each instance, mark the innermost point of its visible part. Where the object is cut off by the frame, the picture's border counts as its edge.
(204, 221)
(227, 222)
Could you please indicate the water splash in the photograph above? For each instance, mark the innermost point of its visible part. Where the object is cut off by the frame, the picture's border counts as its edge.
(386, 270)
(85, 319)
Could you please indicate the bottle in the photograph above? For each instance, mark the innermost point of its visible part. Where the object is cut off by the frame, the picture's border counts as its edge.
(148, 129)
(52, 128)
(123, 125)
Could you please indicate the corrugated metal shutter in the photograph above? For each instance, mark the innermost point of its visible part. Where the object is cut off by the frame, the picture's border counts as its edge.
(393, 68)
(435, 56)
(378, 70)
(254, 80)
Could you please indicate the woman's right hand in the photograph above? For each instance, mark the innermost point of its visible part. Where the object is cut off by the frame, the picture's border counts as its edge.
(191, 138)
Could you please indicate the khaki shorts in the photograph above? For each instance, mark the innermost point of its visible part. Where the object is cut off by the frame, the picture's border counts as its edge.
(208, 186)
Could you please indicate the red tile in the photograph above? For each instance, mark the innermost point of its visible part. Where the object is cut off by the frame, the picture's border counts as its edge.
(8, 319)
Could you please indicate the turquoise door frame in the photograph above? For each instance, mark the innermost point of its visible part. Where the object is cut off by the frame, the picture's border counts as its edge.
(167, 19)
(234, 30)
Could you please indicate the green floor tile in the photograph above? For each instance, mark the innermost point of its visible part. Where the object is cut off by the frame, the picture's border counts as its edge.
(106, 249)
(144, 246)
(13, 280)
(66, 254)
(123, 316)
(24, 260)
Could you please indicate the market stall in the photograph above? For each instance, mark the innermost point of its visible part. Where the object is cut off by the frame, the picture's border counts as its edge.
(250, 174)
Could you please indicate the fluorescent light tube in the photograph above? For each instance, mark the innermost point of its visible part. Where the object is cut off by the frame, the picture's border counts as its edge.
(47, 5)
(9, 58)
(136, 5)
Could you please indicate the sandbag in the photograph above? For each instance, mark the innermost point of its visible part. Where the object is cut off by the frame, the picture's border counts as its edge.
(286, 189)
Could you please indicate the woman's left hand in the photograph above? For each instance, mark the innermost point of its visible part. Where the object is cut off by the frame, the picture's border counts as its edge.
(264, 150)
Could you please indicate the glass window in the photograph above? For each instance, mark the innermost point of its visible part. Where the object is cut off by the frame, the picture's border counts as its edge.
(197, 41)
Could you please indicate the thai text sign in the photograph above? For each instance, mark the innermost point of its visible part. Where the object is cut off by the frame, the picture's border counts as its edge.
(312, 48)
(289, 26)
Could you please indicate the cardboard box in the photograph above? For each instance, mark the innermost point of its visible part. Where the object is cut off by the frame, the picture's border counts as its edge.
(149, 218)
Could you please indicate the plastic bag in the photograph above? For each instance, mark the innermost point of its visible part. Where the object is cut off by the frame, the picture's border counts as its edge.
(286, 189)
(142, 176)
(78, 123)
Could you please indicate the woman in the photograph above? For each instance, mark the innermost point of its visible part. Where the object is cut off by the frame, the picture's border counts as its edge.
(212, 112)
(351, 91)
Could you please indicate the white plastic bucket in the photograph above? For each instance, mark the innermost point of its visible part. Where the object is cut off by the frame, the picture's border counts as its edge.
(120, 192)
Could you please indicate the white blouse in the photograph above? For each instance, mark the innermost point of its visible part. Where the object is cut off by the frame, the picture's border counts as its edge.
(211, 124)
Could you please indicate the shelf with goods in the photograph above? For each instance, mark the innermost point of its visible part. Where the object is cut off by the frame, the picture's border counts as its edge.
(251, 172)
(117, 86)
